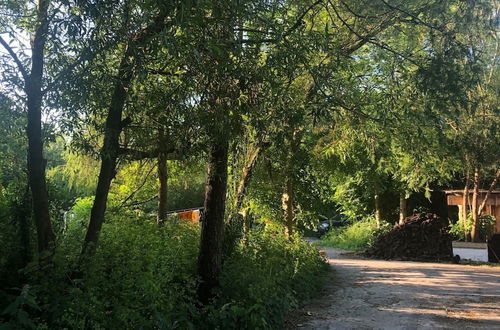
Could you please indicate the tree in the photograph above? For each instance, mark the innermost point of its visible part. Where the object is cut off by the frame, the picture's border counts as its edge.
(460, 81)
(33, 79)
(115, 123)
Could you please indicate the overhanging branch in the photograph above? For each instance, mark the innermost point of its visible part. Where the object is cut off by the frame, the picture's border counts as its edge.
(16, 59)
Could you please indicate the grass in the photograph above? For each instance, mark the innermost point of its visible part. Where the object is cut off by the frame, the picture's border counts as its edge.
(355, 237)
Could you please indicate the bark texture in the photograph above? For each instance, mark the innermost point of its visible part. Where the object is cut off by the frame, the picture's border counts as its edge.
(288, 197)
(210, 254)
(245, 179)
(36, 162)
(475, 215)
(402, 207)
(113, 128)
(162, 178)
(488, 193)
(378, 211)
(288, 208)
(465, 207)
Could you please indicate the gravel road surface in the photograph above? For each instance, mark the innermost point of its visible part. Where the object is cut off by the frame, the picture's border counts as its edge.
(378, 294)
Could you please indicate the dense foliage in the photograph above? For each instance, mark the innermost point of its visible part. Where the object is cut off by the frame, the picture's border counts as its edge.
(357, 236)
(263, 115)
(486, 227)
(143, 276)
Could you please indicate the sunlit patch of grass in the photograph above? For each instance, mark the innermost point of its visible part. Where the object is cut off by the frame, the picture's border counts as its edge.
(355, 237)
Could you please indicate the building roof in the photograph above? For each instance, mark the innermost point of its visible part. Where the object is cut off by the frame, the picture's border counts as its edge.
(461, 191)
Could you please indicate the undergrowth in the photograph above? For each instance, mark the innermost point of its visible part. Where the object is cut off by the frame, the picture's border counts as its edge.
(144, 277)
(355, 237)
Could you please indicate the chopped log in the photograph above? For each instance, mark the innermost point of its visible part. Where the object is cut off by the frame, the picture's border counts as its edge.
(494, 248)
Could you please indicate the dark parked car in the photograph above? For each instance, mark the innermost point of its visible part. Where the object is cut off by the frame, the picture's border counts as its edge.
(326, 225)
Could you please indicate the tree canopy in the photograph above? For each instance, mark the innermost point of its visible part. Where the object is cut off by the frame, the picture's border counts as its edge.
(258, 112)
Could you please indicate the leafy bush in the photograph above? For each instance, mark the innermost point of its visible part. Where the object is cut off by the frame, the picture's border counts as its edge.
(16, 315)
(144, 277)
(267, 276)
(486, 227)
(357, 236)
(141, 277)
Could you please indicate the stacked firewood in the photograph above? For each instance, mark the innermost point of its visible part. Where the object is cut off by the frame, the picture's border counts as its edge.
(422, 236)
(494, 248)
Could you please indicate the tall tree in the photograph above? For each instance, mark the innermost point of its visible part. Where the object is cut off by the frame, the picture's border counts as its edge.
(33, 84)
(110, 150)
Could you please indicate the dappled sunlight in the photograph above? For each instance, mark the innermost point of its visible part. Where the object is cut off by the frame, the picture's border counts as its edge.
(400, 295)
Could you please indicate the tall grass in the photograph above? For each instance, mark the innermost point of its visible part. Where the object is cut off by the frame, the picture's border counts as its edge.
(355, 237)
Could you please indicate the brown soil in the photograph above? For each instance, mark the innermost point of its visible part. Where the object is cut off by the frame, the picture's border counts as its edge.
(378, 294)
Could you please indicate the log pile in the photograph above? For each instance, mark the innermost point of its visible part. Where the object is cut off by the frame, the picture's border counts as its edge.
(422, 236)
(494, 248)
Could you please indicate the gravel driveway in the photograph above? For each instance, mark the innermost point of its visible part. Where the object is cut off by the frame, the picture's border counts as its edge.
(377, 294)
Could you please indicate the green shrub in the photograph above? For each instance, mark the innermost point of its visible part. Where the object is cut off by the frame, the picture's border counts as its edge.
(267, 276)
(486, 227)
(144, 277)
(141, 277)
(16, 315)
(356, 237)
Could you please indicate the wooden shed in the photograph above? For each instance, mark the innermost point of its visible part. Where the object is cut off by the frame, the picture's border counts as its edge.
(455, 198)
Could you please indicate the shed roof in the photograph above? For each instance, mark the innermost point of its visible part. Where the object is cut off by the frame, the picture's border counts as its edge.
(461, 191)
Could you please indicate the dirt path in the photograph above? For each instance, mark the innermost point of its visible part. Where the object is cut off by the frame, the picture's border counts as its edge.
(377, 294)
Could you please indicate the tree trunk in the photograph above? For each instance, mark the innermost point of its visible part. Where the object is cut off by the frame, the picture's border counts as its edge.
(402, 207)
(210, 254)
(288, 208)
(22, 217)
(36, 162)
(113, 128)
(109, 154)
(475, 215)
(465, 207)
(378, 217)
(245, 180)
(492, 186)
(162, 178)
(247, 225)
(288, 197)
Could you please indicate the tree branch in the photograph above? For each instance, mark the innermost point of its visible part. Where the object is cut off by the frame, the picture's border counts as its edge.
(16, 59)
(389, 49)
(132, 194)
(139, 202)
(492, 186)
(414, 17)
(134, 154)
(289, 31)
(301, 17)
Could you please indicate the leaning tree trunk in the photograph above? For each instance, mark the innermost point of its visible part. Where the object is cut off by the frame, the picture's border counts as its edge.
(488, 194)
(465, 207)
(113, 128)
(475, 215)
(109, 154)
(288, 197)
(402, 207)
(210, 253)
(245, 180)
(36, 162)
(162, 178)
